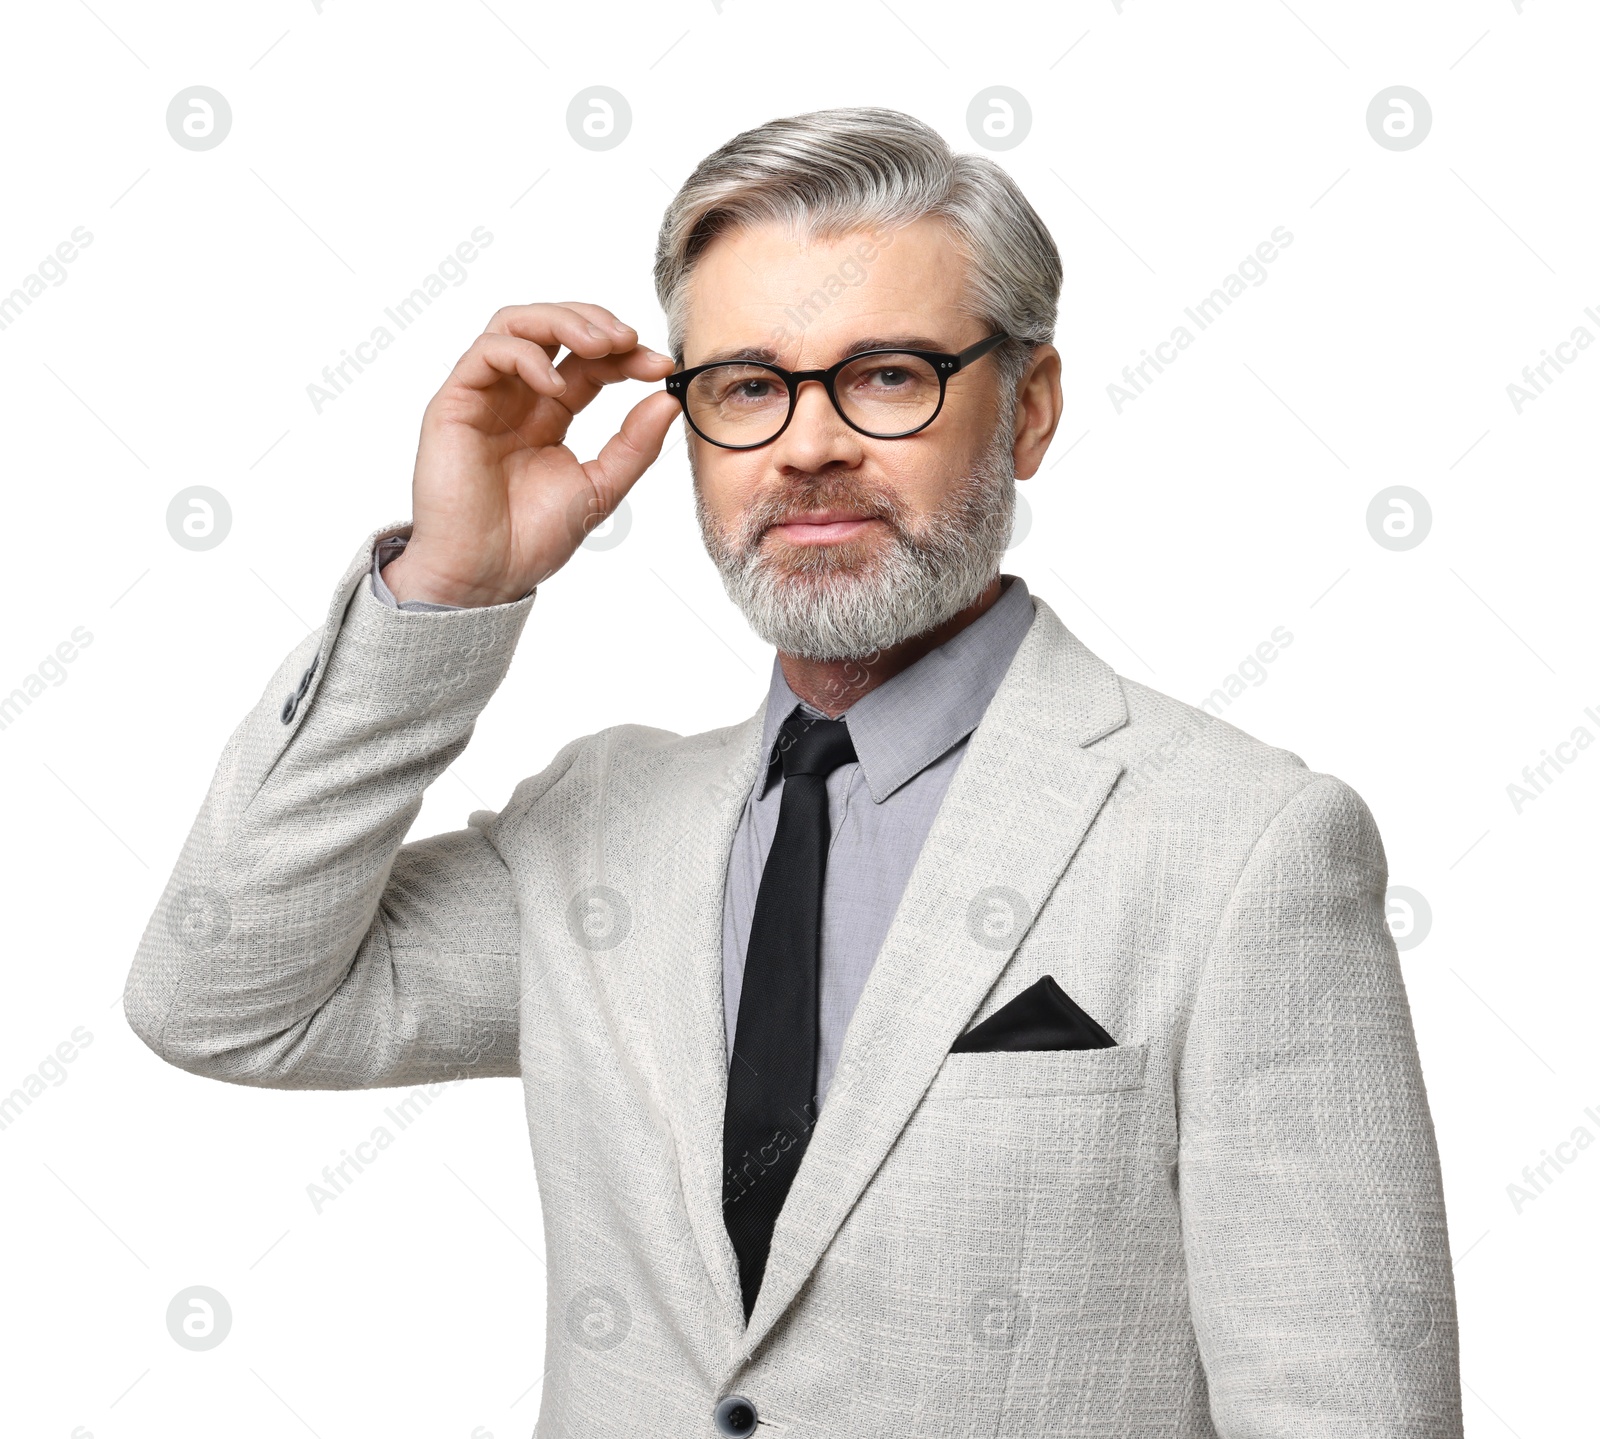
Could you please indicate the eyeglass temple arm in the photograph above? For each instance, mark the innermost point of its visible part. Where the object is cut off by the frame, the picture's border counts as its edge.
(978, 351)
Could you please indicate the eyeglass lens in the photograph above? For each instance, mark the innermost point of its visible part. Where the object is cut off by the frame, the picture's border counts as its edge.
(746, 404)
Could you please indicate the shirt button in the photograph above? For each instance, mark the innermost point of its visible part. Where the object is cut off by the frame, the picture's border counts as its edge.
(736, 1415)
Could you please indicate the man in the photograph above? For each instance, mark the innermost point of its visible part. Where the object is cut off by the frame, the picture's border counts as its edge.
(970, 1041)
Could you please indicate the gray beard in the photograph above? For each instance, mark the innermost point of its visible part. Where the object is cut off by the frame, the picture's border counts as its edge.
(853, 599)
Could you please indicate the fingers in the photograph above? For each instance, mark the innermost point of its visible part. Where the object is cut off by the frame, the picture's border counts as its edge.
(633, 449)
(603, 318)
(587, 330)
(586, 378)
(494, 356)
(575, 381)
(602, 349)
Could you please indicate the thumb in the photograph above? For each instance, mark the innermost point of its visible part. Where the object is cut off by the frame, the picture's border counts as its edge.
(633, 449)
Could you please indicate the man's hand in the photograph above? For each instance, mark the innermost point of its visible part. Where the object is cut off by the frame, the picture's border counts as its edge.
(498, 502)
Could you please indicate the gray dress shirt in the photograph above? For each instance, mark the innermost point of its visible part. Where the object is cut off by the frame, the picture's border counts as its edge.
(909, 735)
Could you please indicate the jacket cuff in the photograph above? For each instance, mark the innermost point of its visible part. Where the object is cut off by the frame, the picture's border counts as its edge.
(387, 549)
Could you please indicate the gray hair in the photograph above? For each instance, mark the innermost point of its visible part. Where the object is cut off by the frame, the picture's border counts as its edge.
(830, 172)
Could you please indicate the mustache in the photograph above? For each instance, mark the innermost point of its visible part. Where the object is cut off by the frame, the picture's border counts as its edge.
(785, 504)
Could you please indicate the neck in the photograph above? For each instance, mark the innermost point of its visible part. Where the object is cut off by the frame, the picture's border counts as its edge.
(832, 686)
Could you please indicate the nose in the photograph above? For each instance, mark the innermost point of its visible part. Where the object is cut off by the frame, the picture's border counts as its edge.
(817, 434)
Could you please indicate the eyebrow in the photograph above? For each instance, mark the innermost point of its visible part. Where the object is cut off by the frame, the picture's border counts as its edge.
(766, 355)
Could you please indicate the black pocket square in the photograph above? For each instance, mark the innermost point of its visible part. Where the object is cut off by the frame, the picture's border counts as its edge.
(1043, 1016)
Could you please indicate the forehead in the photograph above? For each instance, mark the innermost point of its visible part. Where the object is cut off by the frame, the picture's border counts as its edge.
(810, 299)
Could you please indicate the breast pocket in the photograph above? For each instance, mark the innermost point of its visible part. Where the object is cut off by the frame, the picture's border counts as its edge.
(1061, 1125)
(1041, 1073)
(1005, 1194)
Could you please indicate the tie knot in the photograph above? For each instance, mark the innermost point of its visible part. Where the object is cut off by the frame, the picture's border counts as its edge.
(813, 746)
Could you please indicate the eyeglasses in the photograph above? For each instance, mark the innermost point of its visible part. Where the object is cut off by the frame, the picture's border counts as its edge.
(886, 394)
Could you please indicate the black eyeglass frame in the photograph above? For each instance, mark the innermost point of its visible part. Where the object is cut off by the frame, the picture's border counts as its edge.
(944, 365)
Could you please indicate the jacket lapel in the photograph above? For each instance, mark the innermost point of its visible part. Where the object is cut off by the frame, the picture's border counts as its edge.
(700, 817)
(1021, 801)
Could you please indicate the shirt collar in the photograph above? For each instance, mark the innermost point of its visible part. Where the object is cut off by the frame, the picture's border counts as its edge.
(907, 722)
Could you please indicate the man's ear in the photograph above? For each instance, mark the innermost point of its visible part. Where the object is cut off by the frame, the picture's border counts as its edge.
(1039, 407)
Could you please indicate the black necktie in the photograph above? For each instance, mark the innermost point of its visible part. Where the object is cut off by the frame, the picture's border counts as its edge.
(772, 1079)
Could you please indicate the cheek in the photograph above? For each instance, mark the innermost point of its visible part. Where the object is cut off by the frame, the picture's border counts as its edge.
(726, 482)
(921, 477)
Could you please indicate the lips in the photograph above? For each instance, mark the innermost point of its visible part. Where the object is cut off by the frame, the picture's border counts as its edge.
(823, 526)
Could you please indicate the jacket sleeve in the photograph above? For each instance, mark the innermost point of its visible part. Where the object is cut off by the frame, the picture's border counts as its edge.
(299, 944)
(1313, 1212)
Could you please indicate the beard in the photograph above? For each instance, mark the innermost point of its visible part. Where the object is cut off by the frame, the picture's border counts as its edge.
(851, 599)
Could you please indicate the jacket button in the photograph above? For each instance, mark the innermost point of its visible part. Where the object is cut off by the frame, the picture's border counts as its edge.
(736, 1415)
(291, 701)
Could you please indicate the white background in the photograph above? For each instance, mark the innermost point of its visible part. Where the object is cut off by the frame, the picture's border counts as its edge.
(1230, 498)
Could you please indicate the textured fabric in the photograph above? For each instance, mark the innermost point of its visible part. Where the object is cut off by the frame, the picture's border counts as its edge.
(912, 731)
(1230, 1223)
(772, 1097)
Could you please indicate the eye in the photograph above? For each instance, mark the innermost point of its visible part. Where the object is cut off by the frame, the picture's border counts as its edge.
(739, 386)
